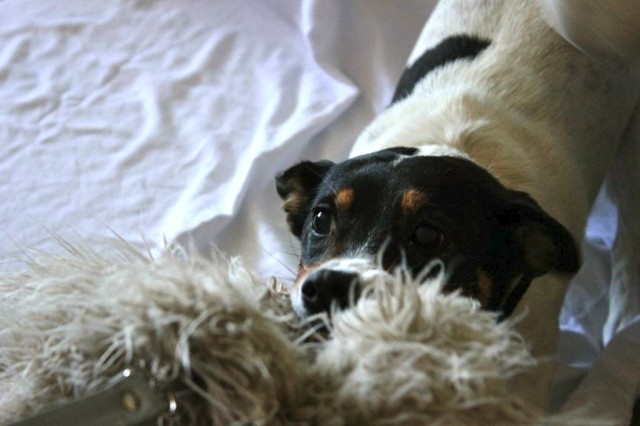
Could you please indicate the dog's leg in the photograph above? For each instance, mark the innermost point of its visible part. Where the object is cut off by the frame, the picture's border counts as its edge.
(624, 293)
(537, 317)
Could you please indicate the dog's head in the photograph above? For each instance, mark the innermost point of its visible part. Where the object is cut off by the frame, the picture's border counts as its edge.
(395, 208)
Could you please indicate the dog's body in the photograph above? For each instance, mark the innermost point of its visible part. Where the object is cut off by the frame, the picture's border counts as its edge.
(490, 88)
(538, 114)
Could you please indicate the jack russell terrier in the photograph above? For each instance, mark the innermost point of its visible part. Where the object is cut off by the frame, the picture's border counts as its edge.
(497, 141)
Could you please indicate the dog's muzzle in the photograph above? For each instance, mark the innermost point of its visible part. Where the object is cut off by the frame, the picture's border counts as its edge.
(327, 289)
(336, 284)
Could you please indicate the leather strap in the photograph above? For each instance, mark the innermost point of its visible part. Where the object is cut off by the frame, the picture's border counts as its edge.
(514, 297)
(133, 400)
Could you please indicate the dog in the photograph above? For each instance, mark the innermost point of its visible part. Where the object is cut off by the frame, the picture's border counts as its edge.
(498, 138)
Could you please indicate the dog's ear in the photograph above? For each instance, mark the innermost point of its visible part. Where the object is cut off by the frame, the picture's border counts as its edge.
(533, 240)
(298, 187)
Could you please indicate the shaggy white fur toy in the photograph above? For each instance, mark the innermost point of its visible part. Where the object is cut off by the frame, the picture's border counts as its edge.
(232, 352)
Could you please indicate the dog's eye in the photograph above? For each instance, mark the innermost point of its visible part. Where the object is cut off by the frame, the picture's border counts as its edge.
(321, 224)
(427, 237)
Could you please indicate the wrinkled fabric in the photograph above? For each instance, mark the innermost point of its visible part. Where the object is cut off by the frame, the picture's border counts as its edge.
(149, 118)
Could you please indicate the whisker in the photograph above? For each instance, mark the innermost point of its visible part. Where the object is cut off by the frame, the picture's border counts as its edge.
(294, 251)
(290, 253)
(274, 257)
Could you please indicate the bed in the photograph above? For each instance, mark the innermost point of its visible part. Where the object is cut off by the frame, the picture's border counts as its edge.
(162, 121)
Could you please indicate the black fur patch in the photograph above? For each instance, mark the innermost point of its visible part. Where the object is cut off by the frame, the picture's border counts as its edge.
(448, 50)
(479, 225)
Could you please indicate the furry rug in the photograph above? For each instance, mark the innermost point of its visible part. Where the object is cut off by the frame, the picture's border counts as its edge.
(230, 349)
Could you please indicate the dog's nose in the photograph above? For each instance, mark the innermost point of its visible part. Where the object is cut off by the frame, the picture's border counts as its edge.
(325, 288)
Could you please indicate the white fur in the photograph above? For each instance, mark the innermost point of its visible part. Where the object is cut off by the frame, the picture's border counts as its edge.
(405, 354)
(538, 114)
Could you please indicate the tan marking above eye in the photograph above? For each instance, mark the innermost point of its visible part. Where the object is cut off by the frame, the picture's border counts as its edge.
(344, 199)
(412, 200)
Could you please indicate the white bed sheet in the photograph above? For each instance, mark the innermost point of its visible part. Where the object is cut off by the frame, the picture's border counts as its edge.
(149, 117)
(167, 120)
